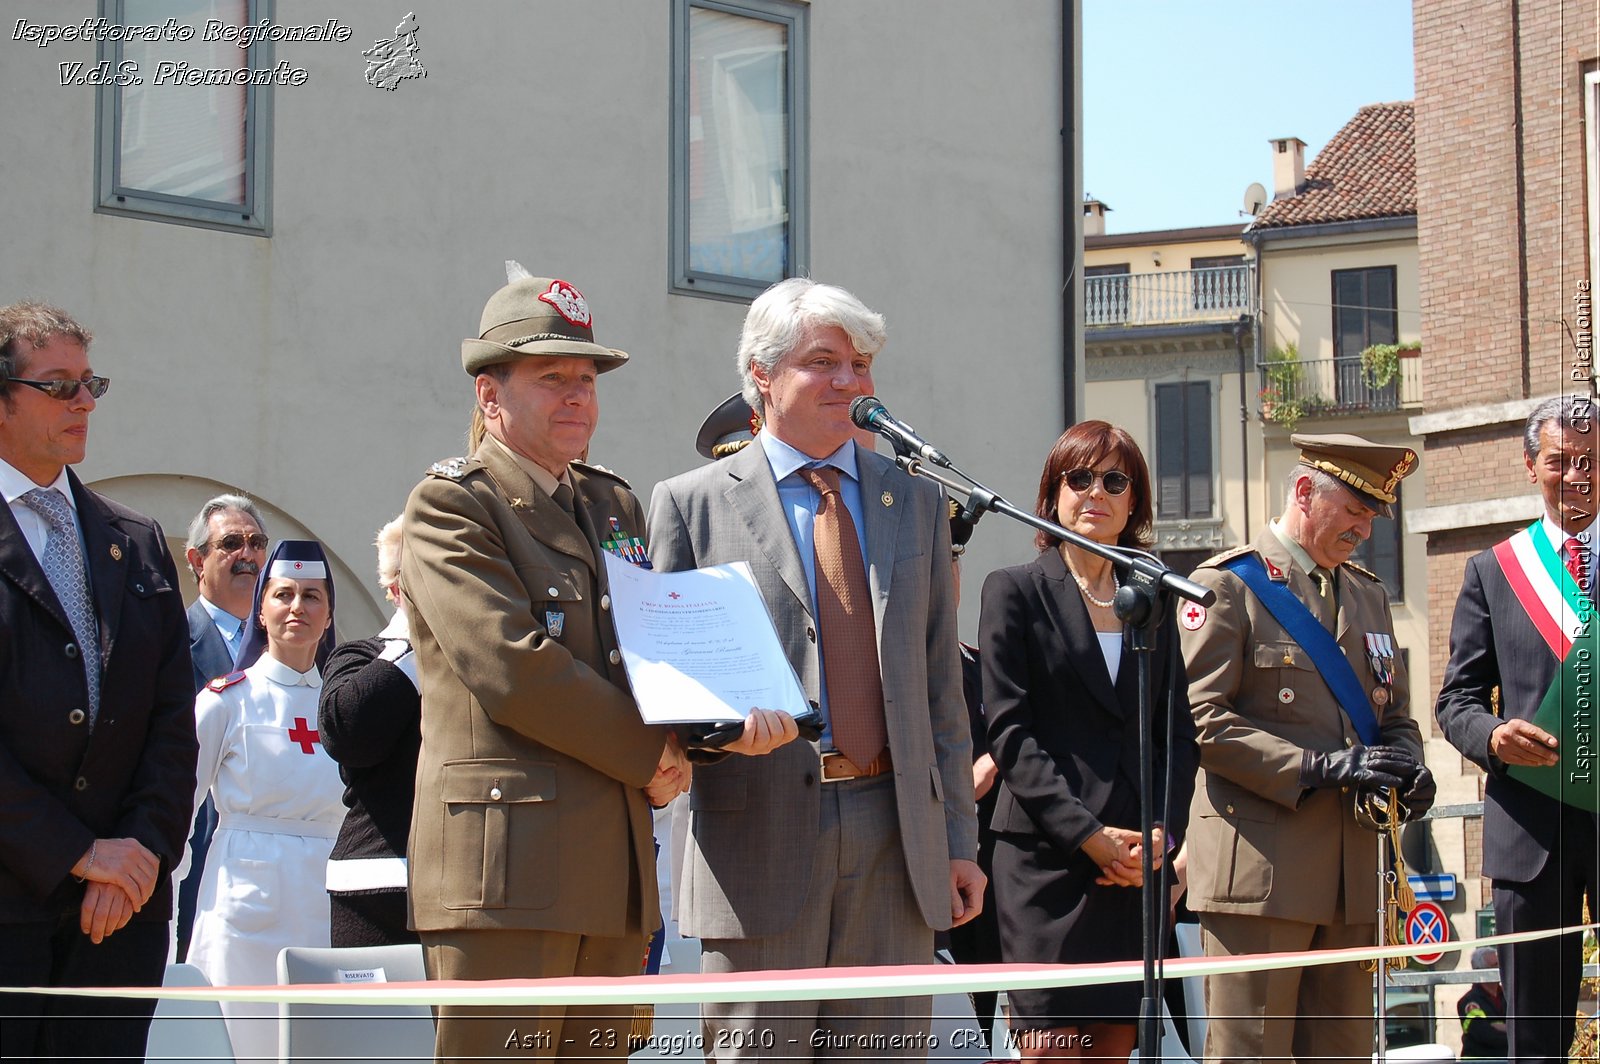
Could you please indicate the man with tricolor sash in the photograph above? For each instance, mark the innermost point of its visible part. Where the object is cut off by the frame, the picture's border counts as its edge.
(1302, 708)
(1518, 701)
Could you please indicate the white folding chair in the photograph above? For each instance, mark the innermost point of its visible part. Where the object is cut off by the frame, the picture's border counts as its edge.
(1194, 987)
(191, 1031)
(311, 1034)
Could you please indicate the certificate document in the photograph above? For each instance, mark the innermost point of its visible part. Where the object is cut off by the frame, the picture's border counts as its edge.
(699, 645)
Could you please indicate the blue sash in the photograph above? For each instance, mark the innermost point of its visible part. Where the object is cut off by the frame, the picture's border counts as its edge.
(1304, 628)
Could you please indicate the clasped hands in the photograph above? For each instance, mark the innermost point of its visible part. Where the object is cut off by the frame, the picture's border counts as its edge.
(121, 876)
(1120, 854)
(764, 731)
(1372, 768)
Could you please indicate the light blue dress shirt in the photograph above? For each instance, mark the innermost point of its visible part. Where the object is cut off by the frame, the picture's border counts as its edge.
(226, 623)
(800, 502)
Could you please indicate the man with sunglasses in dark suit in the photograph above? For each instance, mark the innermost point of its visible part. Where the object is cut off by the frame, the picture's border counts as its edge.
(97, 741)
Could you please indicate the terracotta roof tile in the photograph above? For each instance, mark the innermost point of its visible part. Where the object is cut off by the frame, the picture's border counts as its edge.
(1368, 170)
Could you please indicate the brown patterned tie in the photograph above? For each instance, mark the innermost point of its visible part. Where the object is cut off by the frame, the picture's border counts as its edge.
(849, 635)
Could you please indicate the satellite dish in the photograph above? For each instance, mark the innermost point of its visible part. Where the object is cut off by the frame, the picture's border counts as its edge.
(1255, 198)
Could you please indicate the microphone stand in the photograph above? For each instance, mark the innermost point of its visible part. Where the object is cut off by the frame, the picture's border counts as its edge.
(1144, 598)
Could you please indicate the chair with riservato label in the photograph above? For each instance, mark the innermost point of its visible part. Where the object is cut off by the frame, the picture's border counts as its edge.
(311, 1034)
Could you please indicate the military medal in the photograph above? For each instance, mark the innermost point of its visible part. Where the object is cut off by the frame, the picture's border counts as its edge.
(627, 547)
(1380, 656)
(555, 621)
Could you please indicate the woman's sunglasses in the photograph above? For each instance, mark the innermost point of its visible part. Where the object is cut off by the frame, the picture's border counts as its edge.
(1081, 480)
(66, 390)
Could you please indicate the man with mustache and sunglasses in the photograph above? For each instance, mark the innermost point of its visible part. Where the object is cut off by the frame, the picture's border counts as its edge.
(97, 739)
(226, 548)
(1302, 707)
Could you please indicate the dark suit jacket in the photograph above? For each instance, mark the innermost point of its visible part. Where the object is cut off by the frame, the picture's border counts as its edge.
(1492, 642)
(62, 785)
(207, 648)
(1065, 740)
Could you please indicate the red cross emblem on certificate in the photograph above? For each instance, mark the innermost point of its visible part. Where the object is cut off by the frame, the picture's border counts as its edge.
(304, 734)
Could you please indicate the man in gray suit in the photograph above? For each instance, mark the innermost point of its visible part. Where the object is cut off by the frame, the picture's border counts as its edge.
(854, 850)
(227, 546)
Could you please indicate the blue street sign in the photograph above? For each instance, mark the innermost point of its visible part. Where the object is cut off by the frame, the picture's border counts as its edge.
(1439, 886)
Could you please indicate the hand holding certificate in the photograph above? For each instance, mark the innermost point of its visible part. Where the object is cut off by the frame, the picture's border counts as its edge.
(700, 648)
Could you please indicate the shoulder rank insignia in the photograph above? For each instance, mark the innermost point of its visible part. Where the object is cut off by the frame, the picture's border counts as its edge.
(222, 683)
(1368, 573)
(590, 467)
(453, 468)
(1216, 560)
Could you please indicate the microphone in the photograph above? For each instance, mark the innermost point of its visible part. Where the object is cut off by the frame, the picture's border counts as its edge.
(869, 413)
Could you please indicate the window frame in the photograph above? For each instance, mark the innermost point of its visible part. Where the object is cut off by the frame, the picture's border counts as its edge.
(254, 216)
(1208, 404)
(1591, 100)
(682, 279)
(1351, 389)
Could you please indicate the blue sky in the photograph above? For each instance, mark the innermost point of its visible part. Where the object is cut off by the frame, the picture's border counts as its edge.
(1181, 96)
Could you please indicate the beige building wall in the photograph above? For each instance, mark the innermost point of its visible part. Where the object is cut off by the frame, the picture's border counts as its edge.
(1173, 255)
(1297, 286)
(319, 369)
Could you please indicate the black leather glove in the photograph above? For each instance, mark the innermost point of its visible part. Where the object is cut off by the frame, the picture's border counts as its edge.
(1419, 794)
(1362, 766)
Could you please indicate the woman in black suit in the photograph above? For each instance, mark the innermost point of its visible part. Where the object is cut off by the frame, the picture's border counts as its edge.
(1061, 698)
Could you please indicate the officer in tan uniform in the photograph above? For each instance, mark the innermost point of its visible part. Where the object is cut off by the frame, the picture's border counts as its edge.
(531, 841)
(1301, 703)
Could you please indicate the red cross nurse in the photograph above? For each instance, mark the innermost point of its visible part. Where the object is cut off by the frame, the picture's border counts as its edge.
(277, 793)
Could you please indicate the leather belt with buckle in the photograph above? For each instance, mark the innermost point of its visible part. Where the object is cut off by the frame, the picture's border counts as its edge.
(836, 768)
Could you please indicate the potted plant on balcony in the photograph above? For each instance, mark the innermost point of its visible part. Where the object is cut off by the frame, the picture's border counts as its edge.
(1380, 363)
(1285, 398)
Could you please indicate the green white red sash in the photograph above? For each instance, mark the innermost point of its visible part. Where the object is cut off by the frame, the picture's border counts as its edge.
(1553, 601)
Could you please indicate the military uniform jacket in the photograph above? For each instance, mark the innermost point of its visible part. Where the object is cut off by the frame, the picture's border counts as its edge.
(530, 812)
(1259, 843)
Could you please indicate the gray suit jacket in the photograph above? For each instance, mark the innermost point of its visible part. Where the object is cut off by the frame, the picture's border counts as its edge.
(753, 820)
(207, 648)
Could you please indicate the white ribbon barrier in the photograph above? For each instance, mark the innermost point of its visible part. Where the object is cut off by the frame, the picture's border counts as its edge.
(807, 984)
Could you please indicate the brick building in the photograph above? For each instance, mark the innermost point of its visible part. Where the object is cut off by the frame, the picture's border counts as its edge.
(1507, 97)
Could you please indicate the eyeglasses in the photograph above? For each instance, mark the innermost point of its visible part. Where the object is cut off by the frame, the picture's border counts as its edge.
(66, 390)
(234, 541)
(1081, 480)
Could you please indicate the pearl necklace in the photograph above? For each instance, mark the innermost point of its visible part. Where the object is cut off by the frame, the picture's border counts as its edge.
(1083, 585)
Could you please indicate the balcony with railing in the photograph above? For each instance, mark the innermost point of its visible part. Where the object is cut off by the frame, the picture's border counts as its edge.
(1316, 387)
(1174, 297)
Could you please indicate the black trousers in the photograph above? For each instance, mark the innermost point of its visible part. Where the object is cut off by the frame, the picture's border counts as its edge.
(40, 1027)
(1541, 978)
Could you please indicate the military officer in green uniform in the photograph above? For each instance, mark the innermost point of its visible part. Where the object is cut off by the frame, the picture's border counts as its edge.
(1301, 704)
(531, 845)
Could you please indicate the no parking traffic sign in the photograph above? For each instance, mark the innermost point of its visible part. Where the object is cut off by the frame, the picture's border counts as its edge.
(1427, 924)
